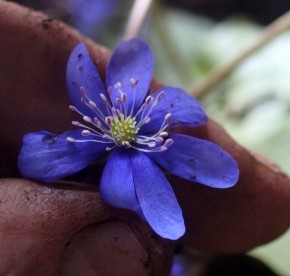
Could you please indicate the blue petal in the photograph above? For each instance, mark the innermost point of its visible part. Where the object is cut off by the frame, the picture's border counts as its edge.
(156, 198)
(81, 72)
(117, 186)
(185, 110)
(48, 157)
(198, 160)
(132, 59)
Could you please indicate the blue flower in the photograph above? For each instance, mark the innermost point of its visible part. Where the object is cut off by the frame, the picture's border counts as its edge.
(89, 15)
(132, 125)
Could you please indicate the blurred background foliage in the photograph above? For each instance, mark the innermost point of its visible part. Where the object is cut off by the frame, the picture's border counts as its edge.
(189, 39)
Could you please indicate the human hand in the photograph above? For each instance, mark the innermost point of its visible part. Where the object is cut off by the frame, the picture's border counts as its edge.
(32, 76)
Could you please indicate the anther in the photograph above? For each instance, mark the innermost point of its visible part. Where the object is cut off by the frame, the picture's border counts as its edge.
(158, 140)
(162, 149)
(70, 139)
(168, 142)
(76, 123)
(83, 91)
(123, 97)
(151, 144)
(168, 115)
(114, 111)
(92, 104)
(86, 132)
(149, 100)
(103, 97)
(168, 118)
(118, 112)
(83, 100)
(87, 119)
(119, 101)
(71, 107)
(97, 122)
(118, 85)
(126, 144)
(147, 120)
(133, 82)
(109, 90)
(163, 134)
(108, 121)
(159, 96)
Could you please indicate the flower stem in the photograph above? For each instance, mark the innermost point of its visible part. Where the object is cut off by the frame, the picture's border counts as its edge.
(220, 72)
(137, 18)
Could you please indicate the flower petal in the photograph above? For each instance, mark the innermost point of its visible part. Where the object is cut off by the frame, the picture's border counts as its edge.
(198, 160)
(81, 72)
(185, 110)
(132, 59)
(156, 198)
(48, 157)
(117, 186)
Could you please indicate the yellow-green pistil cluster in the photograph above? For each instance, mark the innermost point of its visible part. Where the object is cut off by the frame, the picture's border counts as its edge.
(124, 129)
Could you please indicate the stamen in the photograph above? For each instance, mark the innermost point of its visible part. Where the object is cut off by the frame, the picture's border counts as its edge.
(122, 128)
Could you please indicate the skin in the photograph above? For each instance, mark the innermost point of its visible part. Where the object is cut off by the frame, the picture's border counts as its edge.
(65, 228)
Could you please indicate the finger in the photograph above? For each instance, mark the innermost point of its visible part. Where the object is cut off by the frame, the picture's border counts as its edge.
(33, 58)
(68, 230)
(253, 212)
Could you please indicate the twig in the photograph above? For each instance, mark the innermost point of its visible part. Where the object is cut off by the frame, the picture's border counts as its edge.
(219, 73)
(137, 17)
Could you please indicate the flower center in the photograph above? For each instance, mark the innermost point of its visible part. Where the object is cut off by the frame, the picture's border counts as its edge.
(119, 125)
(124, 129)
